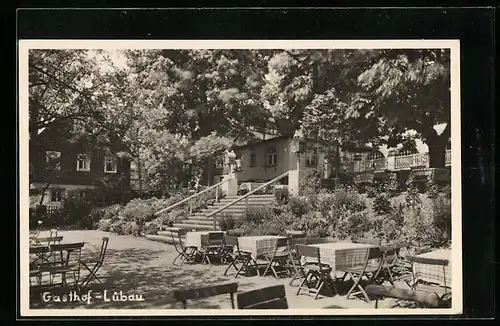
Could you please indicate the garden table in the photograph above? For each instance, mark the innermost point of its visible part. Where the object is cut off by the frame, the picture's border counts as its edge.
(339, 255)
(193, 239)
(258, 245)
(434, 273)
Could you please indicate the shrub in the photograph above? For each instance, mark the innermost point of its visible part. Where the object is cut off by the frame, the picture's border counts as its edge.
(151, 228)
(381, 204)
(313, 223)
(104, 225)
(310, 183)
(299, 206)
(353, 225)
(226, 222)
(432, 189)
(112, 211)
(281, 195)
(117, 227)
(256, 215)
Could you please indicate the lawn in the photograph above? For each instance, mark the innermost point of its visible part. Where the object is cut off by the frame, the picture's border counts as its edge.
(139, 266)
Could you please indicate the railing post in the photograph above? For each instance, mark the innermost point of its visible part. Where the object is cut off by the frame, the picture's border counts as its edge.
(215, 222)
(246, 204)
(216, 194)
(190, 208)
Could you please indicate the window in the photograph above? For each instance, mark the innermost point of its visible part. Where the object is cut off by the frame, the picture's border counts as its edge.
(253, 159)
(56, 195)
(219, 163)
(83, 162)
(83, 194)
(271, 157)
(109, 164)
(312, 157)
(53, 159)
(375, 156)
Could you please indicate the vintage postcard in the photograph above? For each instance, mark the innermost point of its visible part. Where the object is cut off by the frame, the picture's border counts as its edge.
(206, 177)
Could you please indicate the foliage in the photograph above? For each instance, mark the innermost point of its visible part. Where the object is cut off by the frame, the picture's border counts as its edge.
(281, 196)
(226, 222)
(382, 204)
(256, 215)
(313, 223)
(299, 205)
(310, 183)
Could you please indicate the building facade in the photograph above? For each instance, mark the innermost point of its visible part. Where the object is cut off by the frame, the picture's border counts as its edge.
(62, 167)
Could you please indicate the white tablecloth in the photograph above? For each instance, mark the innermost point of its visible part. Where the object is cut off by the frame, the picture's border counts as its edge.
(258, 245)
(341, 255)
(193, 239)
(433, 273)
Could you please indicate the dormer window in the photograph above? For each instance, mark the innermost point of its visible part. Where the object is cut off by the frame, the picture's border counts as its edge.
(109, 164)
(83, 162)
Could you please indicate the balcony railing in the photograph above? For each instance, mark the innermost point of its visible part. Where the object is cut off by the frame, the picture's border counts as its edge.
(400, 162)
(367, 165)
(448, 157)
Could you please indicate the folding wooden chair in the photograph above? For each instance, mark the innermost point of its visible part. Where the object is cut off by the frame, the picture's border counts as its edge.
(211, 246)
(238, 256)
(294, 259)
(69, 264)
(390, 256)
(363, 263)
(316, 274)
(271, 297)
(93, 266)
(205, 292)
(430, 269)
(227, 250)
(185, 254)
(278, 260)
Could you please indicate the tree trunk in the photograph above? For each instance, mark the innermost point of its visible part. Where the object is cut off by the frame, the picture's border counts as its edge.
(337, 162)
(437, 153)
(139, 175)
(437, 148)
(44, 189)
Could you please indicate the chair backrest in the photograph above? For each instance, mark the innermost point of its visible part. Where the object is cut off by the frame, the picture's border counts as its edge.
(75, 247)
(272, 297)
(311, 253)
(38, 249)
(390, 254)
(49, 240)
(216, 238)
(104, 248)
(429, 268)
(205, 292)
(230, 241)
(177, 241)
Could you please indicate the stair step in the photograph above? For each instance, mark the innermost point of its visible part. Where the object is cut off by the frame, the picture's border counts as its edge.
(201, 221)
(195, 226)
(167, 233)
(160, 238)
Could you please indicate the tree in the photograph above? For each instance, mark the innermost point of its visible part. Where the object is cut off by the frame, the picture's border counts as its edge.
(409, 90)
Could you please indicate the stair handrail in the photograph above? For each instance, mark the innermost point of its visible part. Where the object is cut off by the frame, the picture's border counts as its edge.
(193, 196)
(246, 195)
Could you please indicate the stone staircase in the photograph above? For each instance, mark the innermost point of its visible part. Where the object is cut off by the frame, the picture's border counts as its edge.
(199, 221)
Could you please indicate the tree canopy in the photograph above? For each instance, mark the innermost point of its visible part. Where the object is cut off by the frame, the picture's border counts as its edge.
(169, 108)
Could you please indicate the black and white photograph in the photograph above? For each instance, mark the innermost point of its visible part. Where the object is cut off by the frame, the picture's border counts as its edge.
(210, 177)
